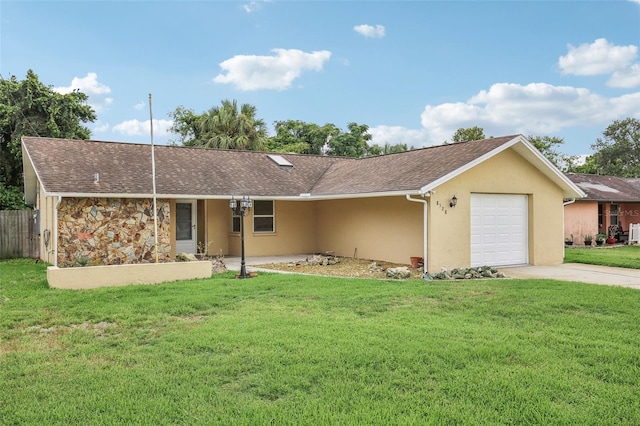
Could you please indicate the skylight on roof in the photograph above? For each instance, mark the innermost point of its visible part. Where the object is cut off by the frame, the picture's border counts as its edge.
(279, 160)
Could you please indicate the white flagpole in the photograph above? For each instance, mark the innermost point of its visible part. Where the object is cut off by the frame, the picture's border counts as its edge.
(153, 174)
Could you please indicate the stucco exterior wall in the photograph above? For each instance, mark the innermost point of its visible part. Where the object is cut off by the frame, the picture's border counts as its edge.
(120, 275)
(449, 241)
(46, 206)
(580, 219)
(111, 231)
(383, 228)
(218, 222)
(629, 213)
(295, 231)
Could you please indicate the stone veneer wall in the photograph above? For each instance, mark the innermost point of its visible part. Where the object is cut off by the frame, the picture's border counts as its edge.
(111, 231)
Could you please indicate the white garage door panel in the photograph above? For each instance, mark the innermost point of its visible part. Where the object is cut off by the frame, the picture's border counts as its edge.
(499, 229)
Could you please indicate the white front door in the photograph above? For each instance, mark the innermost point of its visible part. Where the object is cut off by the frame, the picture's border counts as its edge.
(499, 229)
(186, 226)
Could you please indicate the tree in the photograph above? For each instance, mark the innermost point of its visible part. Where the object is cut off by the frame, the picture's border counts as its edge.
(299, 137)
(589, 166)
(11, 198)
(546, 145)
(471, 134)
(351, 144)
(185, 125)
(618, 154)
(29, 108)
(388, 149)
(223, 127)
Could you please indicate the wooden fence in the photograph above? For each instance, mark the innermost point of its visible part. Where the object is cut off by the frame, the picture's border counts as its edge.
(18, 237)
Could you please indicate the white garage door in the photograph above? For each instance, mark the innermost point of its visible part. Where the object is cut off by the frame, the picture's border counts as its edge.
(499, 229)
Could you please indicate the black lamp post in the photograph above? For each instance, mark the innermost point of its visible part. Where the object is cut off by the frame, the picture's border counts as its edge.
(245, 205)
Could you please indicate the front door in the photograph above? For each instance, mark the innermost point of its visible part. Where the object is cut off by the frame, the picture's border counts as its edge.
(186, 226)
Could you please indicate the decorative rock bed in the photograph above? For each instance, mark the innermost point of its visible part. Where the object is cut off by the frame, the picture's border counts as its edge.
(217, 263)
(329, 265)
(316, 260)
(466, 274)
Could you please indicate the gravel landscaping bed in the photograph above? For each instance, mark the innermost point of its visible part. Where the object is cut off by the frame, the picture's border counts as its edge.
(334, 266)
(344, 267)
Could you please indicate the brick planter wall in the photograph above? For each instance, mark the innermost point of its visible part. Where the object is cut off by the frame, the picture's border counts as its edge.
(111, 231)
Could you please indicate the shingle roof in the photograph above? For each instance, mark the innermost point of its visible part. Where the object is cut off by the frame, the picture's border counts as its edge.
(66, 166)
(607, 188)
(403, 171)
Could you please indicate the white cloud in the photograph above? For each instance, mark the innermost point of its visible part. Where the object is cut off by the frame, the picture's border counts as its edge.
(101, 127)
(141, 128)
(394, 135)
(251, 6)
(370, 31)
(626, 78)
(537, 108)
(88, 85)
(91, 87)
(139, 106)
(599, 57)
(252, 72)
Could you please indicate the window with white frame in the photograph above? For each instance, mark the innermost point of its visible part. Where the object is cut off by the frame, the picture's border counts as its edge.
(264, 216)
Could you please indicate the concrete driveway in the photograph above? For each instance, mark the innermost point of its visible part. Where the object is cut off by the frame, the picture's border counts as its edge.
(592, 274)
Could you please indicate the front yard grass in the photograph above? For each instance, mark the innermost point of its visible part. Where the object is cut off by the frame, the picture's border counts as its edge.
(291, 349)
(620, 256)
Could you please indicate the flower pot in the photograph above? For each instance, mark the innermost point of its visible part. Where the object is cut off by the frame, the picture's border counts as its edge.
(587, 243)
(611, 240)
(415, 262)
(599, 242)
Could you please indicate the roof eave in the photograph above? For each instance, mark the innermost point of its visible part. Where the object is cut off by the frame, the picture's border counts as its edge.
(30, 177)
(356, 195)
(300, 197)
(523, 147)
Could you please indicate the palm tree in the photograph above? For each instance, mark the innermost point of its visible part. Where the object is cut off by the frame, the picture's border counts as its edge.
(225, 127)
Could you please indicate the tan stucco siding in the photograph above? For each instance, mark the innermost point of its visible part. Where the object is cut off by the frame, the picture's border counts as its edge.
(47, 206)
(580, 219)
(120, 275)
(295, 231)
(384, 228)
(218, 219)
(449, 242)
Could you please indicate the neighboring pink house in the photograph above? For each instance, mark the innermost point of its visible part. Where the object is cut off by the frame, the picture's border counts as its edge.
(610, 200)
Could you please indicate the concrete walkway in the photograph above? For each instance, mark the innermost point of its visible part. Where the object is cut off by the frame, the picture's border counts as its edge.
(592, 274)
(233, 262)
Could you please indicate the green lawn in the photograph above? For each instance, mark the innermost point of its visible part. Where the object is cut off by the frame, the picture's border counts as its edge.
(287, 349)
(620, 256)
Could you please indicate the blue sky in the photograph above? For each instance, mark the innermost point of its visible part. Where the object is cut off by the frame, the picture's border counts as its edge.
(414, 72)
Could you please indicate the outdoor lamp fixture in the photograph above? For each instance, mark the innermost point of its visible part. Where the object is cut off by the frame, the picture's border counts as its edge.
(245, 205)
(453, 202)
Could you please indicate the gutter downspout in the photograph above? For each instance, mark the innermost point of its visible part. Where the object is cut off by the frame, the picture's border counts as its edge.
(424, 226)
(571, 201)
(55, 231)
